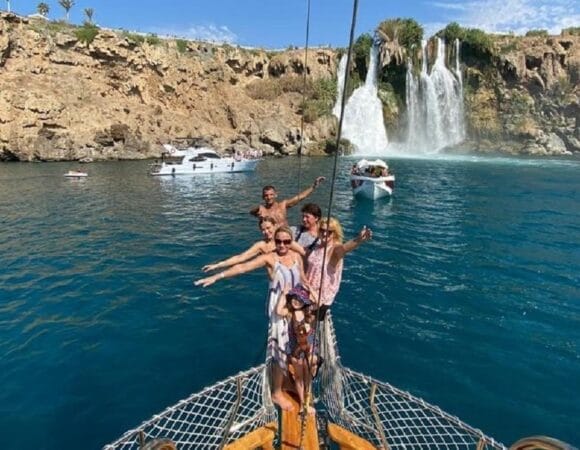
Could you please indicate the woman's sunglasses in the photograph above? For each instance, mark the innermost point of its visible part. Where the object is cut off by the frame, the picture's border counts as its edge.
(326, 231)
(283, 241)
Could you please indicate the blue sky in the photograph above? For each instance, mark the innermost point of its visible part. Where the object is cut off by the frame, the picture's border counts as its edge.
(280, 23)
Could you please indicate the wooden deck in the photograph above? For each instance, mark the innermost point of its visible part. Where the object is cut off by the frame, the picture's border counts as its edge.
(292, 429)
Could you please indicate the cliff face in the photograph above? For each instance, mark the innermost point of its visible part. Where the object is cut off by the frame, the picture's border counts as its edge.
(119, 97)
(528, 96)
(521, 96)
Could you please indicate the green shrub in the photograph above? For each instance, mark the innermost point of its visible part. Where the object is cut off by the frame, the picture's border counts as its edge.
(407, 31)
(451, 32)
(320, 96)
(574, 31)
(152, 39)
(135, 38)
(181, 45)
(87, 33)
(542, 33)
(479, 40)
(510, 46)
(360, 52)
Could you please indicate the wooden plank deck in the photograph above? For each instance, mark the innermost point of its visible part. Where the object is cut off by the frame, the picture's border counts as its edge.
(292, 428)
(347, 440)
(261, 438)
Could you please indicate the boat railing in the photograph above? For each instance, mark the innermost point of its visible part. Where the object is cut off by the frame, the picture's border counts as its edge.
(384, 415)
(218, 414)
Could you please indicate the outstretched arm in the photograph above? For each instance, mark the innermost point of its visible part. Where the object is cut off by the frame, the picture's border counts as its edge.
(341, 250)
(238, 269)
(255, 211)
(254, 250)
(298, 198)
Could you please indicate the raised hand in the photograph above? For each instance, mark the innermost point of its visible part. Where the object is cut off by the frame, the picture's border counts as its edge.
(317, 182)
(365, 234)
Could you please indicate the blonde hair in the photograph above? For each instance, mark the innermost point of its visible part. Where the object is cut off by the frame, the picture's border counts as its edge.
(284, 229)
(336, 228)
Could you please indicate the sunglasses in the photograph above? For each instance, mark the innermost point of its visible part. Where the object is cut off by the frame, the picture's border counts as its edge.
(283, 241)
(326, 231)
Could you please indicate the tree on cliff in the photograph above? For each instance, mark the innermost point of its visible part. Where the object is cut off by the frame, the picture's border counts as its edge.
(89, 12)
(67, 5)
(42, 9)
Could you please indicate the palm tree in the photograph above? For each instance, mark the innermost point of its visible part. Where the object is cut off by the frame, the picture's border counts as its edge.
(42, 9)
(89, 12)
(67, 5)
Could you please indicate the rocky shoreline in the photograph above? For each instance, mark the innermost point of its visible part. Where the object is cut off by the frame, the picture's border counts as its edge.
(117, 95)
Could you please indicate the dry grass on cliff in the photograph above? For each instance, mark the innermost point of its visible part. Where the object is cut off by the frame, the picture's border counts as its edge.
(272, 88)
(320, 93)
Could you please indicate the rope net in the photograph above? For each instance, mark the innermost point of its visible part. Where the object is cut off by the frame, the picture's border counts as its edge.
(376, 411)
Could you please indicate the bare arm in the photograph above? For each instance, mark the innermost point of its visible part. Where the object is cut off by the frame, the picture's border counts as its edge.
(298, 198)
(295, 246)
(341, 250)
(281, 308)
(255, 211)
(239, 269)
(254, 250)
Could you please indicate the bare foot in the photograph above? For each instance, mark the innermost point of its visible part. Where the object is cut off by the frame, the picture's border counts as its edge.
(280, 399)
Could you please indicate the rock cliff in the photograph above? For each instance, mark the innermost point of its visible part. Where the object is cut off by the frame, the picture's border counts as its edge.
(521, 93)
(121, 95)
(527, 97)
(68, 93)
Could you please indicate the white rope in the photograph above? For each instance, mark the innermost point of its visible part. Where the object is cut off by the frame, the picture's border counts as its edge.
(199, 421)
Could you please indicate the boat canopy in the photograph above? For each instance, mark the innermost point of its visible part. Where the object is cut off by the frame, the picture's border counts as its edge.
(376, 163)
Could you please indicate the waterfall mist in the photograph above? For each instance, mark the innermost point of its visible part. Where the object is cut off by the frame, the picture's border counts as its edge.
(363, 122)
(435, 117)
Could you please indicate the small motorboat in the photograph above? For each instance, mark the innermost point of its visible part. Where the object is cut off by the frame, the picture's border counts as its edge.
(203, 160)
(76, 174)
(86, 160)
(371, 179)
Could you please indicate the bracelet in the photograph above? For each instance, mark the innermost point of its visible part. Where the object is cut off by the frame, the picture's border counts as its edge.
(222, 275)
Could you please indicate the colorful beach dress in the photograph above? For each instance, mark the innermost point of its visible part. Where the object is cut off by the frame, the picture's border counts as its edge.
(284, 279)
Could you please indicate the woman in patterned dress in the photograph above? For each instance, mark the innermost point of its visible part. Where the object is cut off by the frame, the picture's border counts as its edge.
(285, 270)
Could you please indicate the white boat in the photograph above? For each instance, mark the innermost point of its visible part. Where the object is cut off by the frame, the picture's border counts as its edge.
(196, 160)
(75, 174)
(371, 179)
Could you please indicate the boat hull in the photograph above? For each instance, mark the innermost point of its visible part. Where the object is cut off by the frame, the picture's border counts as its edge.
(372, 188)
(75, 175)
(224, 165)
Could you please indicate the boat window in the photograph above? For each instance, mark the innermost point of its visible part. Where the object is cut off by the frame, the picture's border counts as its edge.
(197, 158)
(209, 155)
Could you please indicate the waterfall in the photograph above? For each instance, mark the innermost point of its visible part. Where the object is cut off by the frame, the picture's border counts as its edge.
(340, 85)
(363, 122)
(435, 117)
(434, 99)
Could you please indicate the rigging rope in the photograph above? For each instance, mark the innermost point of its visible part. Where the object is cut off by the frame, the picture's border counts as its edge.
(331, 196)
(304, 79)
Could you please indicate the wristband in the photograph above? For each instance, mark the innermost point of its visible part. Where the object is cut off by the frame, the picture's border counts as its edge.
(222, 275)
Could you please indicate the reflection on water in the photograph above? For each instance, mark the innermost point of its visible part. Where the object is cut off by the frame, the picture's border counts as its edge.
(467, 295)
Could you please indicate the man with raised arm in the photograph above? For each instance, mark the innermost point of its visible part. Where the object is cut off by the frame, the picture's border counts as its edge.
(278, 210)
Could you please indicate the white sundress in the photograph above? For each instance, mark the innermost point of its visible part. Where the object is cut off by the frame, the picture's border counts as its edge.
(284, 279)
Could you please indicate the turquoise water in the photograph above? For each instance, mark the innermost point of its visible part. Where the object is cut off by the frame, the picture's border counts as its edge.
(468, 296)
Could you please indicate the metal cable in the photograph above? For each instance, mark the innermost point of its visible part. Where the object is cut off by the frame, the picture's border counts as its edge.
(333, 181)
